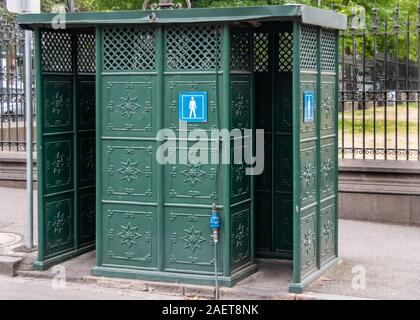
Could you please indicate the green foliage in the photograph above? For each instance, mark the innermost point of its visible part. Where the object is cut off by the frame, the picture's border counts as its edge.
(386, 9)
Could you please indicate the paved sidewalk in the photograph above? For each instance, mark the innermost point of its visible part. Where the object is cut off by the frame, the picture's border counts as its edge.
(18, 289)
(390, 255)
(13, 211)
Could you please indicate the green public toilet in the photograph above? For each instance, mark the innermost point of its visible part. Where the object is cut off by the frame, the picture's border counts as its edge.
(107, 84)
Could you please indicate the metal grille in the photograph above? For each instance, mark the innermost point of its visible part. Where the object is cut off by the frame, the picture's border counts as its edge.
(57, 51)
(86, 52)
(12, 78)
(308, 58)
(241, 50)
(261, 50)
(193, 48)
(129, 49)
(379, 87)
(328, 50)
(285, 52)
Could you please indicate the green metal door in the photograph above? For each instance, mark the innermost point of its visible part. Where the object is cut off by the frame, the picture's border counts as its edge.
(66, 144)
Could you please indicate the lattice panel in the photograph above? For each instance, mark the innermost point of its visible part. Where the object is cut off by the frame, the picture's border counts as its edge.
(193, 48)
(308, 58)
(328, 50)
(129, 49)
(261, 52)
(86, 52)
(285, 52)
(240, 50)
(56, 48)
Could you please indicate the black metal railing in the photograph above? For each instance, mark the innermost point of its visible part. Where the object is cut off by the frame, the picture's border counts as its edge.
(13, 125)
(379, 116)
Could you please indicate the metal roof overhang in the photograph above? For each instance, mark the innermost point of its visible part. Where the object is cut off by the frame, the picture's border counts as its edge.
(302, 13)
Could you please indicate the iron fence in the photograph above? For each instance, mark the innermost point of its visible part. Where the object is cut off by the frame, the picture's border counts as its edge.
(379, 95)
(13, 125)
(379, 116)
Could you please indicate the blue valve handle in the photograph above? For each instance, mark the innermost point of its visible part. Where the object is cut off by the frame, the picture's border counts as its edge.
(215, 220)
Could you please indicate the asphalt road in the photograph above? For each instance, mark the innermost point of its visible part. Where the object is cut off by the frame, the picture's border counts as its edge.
(40, 289)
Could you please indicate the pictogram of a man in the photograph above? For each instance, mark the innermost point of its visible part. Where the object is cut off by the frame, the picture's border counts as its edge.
(193, 108)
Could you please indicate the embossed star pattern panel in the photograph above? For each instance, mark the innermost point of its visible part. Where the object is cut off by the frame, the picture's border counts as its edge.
(188, 240)
(240, 236)
(59, 223)
(130, 235)
(57, 100)
(308, 240)
(308, 175)
(129, 171)
(240, 105)
(327, 235)
(128, 108)
(328, 169)
(58, 168)
(194, 182)
(328, 106)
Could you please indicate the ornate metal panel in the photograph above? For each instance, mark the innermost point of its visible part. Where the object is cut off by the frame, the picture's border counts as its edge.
(328, 168)
(308, 241)
(58, 104)
(192, 82)
(128, 105)
(328, 230)
(240, 184)
(188, 240)
(129, 171)
(58, 165)
(308, 174)
(193, 182)
(241, 102)
(59, 216)
(130, 236)
(240, 234)
(328, 106)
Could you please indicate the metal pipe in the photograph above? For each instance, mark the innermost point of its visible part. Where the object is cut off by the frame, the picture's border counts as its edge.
(216, 276)
(29, 121)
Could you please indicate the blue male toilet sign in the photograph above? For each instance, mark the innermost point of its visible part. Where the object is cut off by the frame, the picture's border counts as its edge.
(193, 106)
(308, 106)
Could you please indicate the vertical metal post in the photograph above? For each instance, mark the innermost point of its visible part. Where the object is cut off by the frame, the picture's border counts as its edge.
(71, 5)
(29, 121)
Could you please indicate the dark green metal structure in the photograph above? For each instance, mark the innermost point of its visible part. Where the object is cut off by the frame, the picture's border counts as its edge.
(152, 221)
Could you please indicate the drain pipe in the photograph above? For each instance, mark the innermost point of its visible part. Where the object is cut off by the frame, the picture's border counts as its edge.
(215, 223)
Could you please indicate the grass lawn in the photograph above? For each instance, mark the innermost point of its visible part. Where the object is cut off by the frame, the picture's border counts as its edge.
(394, 123)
